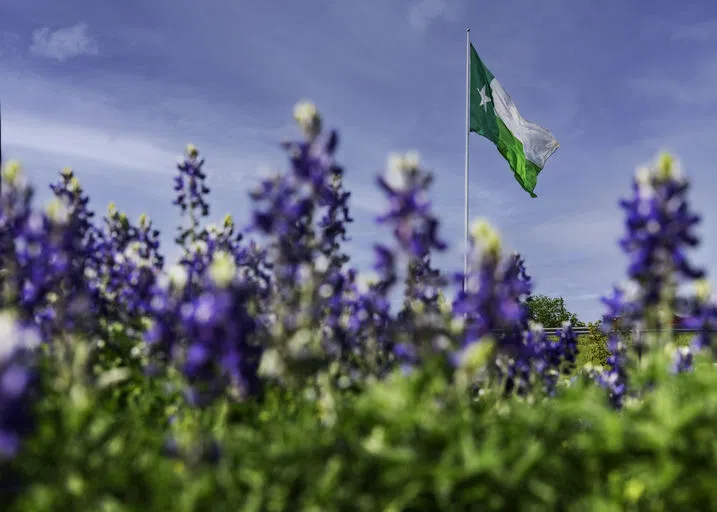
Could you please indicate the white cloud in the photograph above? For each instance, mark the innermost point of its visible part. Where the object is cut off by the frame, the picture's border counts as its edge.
(118, 150)
(64, 43)
(139, 130)
(690, 87)
(424, 12)
(120, 155)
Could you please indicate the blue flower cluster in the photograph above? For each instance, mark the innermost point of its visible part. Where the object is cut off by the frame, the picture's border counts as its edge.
(278, 303)
(492, 302)
(48, 255)
(17, 383)
(659, 231)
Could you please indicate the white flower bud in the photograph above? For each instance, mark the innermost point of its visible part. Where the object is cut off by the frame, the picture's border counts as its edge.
(308, 118)
(178, 276)
(222, 269)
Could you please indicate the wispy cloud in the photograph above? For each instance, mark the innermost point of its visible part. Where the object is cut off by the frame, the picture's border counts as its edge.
(423, 12)
(64, 43)
(119, 150)
(693, 86)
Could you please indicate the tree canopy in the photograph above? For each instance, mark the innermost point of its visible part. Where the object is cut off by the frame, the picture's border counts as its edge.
(550, 311)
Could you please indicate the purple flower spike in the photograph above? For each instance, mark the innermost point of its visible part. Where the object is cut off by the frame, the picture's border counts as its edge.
(17, 383)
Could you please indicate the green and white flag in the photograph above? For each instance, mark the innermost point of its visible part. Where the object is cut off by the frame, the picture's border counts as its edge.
(493, 114)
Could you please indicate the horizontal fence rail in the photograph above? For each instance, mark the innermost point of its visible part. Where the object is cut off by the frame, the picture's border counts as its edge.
(584, 330)
(554, 331)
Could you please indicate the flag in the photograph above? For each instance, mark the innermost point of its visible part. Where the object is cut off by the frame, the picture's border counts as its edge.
(525, 145)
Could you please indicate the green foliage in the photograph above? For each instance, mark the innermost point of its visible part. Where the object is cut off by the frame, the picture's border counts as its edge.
(593, 351)
(550, 311)
(592, 347)
(410, 443)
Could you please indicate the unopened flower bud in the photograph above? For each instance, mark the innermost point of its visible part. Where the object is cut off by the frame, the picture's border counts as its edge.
(12, 171)
(703, 290)
(222, 269)
(485, 235)
(74, 185)
(308, 118)
(398, 168)
(178, 276)
(57, 211)
(192, 151)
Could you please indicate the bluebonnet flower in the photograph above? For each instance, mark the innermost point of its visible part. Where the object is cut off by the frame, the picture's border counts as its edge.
(192, 190)
(492, 305)
(368, 316)
(309, 283)
(540, 359)
(518, 264)
(225, 238)
(385, 265)
(69, 190)
(285, 204)
(199, 311)
(255, 261)
(164, 335)
(615, 378)
(553, 358)
(659, 231)
(113, 236)
(491, 300)
(148, 248)
(332, 225)
(568, 343)
(15, 211)
(17, 383)
(45, 258)
(620, 311)
(406, 185)
(250, 258)
(336, 282)
(200, 243)
(415, 230)
(207, 334)
(423, 284)
(130, 261)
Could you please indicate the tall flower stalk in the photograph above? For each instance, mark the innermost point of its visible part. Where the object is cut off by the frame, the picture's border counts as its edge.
(659, 231)
(415, 228)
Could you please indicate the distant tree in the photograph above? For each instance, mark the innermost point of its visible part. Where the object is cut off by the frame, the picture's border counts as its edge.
(550, 311)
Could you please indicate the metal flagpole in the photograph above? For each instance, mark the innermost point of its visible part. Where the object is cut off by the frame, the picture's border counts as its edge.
(465, 176)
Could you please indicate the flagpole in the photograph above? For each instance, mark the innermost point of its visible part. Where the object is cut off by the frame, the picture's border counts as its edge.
(465, 174)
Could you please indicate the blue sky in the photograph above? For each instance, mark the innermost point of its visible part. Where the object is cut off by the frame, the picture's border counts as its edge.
(117, 89)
